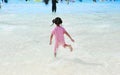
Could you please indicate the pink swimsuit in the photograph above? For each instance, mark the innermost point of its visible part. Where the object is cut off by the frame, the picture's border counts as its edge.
(58, 32)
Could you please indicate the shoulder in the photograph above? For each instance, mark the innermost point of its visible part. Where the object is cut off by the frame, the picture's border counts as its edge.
(62, 27)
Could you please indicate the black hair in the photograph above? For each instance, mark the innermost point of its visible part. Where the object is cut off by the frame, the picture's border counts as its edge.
(57, 21)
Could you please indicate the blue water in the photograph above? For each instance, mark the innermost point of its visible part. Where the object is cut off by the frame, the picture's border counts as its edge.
(87, 6)
(34, 1)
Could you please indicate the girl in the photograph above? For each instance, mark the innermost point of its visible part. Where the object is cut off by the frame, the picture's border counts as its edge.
(58, 33)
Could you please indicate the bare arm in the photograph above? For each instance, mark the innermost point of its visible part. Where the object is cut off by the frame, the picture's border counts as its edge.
(69, 36)
(51, 37)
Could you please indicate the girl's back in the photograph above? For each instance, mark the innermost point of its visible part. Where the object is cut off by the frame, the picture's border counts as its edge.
(58, 32)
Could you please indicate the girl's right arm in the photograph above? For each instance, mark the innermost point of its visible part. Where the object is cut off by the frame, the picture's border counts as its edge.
(51, 36)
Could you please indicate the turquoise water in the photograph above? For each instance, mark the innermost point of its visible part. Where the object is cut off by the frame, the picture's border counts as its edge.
(77, 7)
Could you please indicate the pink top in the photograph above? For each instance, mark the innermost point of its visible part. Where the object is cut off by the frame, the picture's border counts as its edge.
(58, 32)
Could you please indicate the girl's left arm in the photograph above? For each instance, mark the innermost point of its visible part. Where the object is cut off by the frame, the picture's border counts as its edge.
(69, 36)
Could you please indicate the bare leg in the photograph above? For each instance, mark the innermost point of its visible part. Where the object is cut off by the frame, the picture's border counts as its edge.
(69, 46)
(55, 55)
(55, 51)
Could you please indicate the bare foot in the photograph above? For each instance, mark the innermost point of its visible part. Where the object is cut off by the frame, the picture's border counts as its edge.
(69, 46)
(71, 49)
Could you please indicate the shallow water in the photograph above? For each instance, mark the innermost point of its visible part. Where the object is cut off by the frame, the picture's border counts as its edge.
(25, 49)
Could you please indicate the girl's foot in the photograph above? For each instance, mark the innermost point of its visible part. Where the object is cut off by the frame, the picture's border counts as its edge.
(71, 49)
(69, 46)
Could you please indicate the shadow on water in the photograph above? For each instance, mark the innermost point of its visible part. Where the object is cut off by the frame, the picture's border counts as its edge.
(79, 61)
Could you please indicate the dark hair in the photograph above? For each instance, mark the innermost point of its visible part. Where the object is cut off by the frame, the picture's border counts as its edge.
(57, 21)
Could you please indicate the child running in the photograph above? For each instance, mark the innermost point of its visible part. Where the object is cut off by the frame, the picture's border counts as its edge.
(58, 32)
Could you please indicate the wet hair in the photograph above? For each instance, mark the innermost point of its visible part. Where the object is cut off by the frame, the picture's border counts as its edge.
(57, 21)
